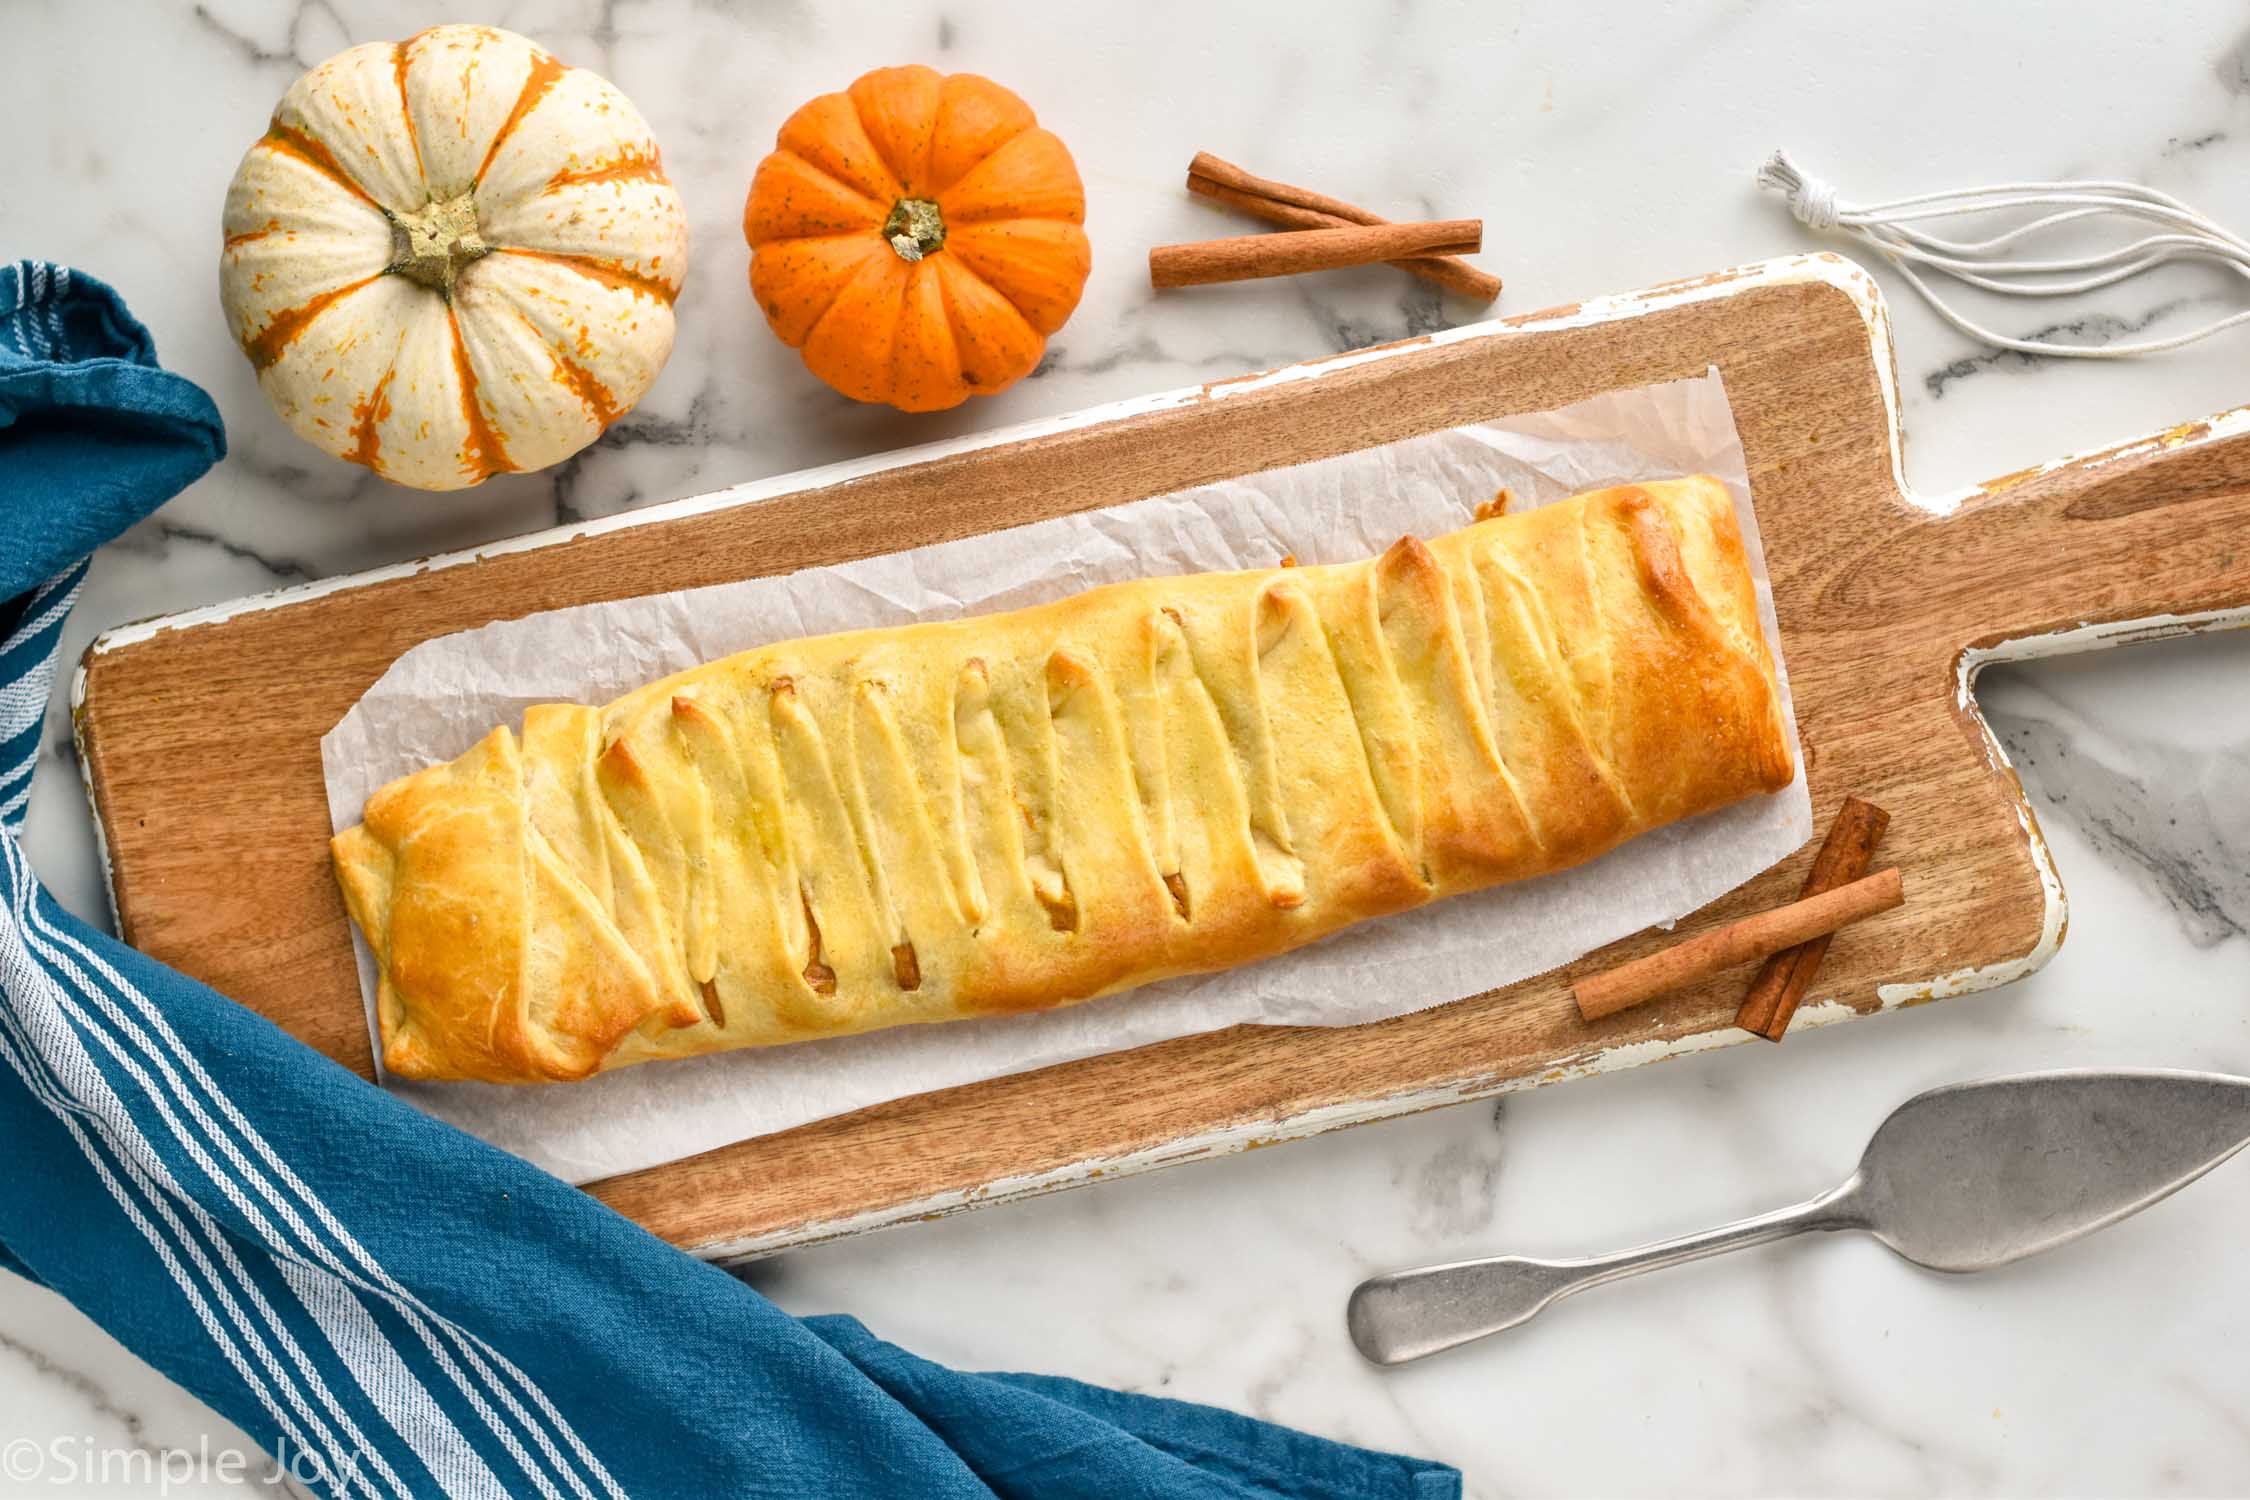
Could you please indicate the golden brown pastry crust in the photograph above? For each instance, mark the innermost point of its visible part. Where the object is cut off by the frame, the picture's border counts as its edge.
(1023, 810)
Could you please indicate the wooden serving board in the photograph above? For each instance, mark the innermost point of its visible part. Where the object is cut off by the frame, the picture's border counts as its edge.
(200, 733)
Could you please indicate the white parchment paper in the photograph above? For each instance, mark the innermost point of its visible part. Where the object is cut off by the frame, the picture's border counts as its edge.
(445, 694)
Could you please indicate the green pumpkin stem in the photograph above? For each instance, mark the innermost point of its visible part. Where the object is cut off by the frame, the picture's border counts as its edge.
(915, 228)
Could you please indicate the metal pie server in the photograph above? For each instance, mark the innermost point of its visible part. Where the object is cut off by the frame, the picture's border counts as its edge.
(1962, 1178)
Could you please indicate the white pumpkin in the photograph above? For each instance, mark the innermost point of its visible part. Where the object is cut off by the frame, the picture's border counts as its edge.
(453, 257)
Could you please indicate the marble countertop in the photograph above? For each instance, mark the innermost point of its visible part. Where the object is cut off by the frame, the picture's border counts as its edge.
(1605, 154)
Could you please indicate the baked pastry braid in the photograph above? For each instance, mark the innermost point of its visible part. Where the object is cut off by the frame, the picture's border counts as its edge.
(1022, 810)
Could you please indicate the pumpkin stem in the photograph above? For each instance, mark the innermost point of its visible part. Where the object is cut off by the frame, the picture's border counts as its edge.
(434, 243)
(915, 228)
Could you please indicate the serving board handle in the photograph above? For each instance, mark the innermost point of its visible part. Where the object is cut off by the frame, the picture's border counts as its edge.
(2148, 538)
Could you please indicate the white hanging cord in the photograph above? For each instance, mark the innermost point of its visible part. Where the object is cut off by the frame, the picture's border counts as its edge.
(1989, 263)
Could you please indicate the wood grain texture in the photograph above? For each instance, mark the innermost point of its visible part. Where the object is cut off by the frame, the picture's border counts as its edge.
(202, 742)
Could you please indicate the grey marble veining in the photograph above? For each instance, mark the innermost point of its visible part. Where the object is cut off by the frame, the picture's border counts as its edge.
(2094, 328)
(2177, 816)
(1605, 151)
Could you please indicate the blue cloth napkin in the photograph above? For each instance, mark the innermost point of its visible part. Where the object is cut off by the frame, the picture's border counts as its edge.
(391, 1307)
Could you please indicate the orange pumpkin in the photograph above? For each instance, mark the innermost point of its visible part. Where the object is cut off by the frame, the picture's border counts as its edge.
(917, 237)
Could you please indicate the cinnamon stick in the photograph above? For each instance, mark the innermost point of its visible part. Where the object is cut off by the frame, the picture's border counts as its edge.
(1227, 174)
(1248, 256)
(1844, 857)
(1628, 985)
(1300, 208)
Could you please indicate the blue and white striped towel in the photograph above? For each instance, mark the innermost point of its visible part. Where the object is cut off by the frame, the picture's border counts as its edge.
(389, 1306)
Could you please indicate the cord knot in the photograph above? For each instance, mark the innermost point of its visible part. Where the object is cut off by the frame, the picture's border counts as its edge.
(2002, 261)
(1811, 199)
